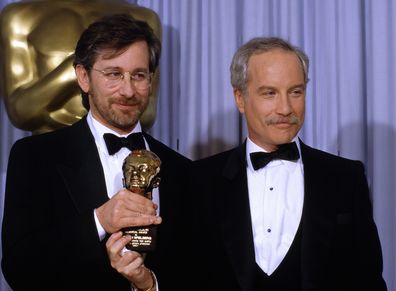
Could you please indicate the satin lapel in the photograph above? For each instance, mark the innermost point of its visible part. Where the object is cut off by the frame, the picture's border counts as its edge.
(170, 192)
(234, 212)
(155, 146)
(82, 170)
(170, 174)
(317, 220)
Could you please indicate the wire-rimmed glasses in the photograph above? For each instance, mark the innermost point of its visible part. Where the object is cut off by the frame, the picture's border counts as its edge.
(141, 80)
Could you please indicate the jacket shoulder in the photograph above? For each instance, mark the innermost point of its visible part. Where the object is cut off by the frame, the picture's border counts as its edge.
(328, 160)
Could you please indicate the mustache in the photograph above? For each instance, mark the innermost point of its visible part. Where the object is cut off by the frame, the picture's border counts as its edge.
(281, 119)
(125, 101)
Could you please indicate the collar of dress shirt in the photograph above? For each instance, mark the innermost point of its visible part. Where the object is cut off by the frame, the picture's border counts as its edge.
(99, 129)
(252, 147)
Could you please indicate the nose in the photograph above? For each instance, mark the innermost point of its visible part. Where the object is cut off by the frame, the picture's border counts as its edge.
(284, 105)
(127, 87)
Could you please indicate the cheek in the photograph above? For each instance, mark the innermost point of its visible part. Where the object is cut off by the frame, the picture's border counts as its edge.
(302, 114)
(100, 91)
(299, 108)
(145, 101)
(262, 107)
(256, 113)
(300, 111)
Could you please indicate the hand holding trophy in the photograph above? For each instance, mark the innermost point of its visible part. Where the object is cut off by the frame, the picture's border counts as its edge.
(141, 174)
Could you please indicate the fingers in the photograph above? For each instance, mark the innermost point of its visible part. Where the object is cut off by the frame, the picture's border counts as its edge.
(115, 244)
(120, 259)
(131, 266)
(113, 238)
(127, 209)
(138, 203)
(140, 220)
(129, 263)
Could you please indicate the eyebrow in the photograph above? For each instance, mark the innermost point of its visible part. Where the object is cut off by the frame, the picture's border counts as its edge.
(265, 87)
(134, 71)
(302, 86)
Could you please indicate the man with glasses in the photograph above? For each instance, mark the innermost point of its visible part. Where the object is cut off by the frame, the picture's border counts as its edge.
(59, 218)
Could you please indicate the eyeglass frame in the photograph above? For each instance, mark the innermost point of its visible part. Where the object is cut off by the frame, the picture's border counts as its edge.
(149, 77)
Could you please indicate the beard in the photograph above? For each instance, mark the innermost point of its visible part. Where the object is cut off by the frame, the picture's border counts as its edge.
(115, 117)
(122, 120)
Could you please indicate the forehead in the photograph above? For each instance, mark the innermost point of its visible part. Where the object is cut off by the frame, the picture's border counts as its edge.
(134, 55)
(275, 64)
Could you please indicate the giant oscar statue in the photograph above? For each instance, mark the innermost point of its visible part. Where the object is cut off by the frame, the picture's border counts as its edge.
(37, 40)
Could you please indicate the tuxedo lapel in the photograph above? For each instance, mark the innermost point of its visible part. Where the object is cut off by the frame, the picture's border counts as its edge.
(81, 168)
(317, 221)
(232, 204)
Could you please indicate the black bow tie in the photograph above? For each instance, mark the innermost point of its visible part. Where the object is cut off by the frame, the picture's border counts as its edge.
(134, 141)
(288, 151)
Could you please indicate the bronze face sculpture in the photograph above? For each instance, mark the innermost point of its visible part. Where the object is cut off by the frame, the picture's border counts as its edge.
(141, 169)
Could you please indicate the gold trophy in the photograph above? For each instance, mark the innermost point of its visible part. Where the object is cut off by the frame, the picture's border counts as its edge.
(141, 174)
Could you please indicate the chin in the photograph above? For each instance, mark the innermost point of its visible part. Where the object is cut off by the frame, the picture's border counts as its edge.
(283, 140)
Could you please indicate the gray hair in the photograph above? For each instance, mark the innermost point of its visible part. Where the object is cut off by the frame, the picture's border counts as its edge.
(239, 64)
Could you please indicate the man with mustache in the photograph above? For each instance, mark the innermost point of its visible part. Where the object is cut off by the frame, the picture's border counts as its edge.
(64, 195)
(273, 213)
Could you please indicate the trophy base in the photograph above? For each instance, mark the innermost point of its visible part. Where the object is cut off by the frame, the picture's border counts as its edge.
(143, 238)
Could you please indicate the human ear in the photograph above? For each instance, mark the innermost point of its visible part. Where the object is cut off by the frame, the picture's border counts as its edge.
(82, 78)
(239, 100)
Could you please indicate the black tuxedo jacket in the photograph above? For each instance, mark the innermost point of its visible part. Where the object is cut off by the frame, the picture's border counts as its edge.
(50, 241)
(340, 248)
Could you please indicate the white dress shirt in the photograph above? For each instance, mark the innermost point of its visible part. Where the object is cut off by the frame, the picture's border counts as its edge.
(276, 196)
(112, 164)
